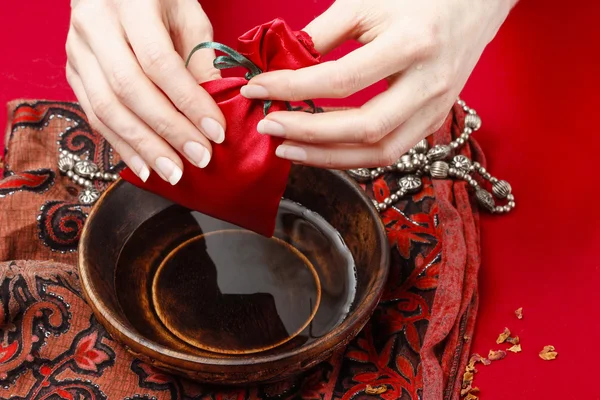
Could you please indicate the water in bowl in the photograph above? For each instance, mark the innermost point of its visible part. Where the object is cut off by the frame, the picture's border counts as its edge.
(223, 289)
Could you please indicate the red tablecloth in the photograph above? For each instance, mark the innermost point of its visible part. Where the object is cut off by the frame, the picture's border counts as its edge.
(536, 89)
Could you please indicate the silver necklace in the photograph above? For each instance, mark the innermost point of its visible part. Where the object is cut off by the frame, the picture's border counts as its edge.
(442, 162)
(437, 162)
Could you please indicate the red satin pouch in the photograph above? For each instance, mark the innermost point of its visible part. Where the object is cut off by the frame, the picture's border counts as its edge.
(244, 181)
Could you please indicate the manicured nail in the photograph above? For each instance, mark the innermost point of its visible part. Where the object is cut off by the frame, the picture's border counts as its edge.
(213, 130)
(254, 92)
(139, 167)
(169, 169)
(197, 153)
(269, 127)
(291, 153)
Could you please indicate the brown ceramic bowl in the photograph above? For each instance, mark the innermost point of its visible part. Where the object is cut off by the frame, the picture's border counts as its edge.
(118, 278)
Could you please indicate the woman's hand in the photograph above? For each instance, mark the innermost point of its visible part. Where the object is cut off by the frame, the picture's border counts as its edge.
(425, 50)
(126, 67)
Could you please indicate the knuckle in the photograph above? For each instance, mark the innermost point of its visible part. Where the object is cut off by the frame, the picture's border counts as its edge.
(79, 18)
(164, 128)
(345, 84)
(101, 105)
(155, 60)
(292, 89)
(375, 129)
(329, 160)
(389, 154)
(122, 82)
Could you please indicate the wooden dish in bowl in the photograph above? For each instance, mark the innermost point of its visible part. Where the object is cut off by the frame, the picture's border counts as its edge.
(157, 310)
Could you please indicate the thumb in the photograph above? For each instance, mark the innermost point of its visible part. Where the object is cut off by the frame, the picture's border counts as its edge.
(335, 26)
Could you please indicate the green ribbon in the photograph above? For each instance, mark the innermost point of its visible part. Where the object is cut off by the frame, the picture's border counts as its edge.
(233, 59)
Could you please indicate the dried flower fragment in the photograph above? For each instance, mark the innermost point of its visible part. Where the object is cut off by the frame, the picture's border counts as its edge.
(548, 353)
(503, 336)
(519, 312)
(471, 396)
(515, 349)
(466, 339)
(469, 389)
(376, 390)
(496, 355)
(467, 379)
(513, 340)
(475, 358)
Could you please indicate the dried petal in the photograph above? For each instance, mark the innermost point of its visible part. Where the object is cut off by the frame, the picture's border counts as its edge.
(467, 379)
(376, 390)
(519, 312)
(515, 349)
(469, 389)
(503, 336)
(471, 396)
(513, 340)
(496, 355)
(548, 353)
(475, 358)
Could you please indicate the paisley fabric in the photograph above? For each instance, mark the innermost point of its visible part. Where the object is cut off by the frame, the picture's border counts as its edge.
(52, 347)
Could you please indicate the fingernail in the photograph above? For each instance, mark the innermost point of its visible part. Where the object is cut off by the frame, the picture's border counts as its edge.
(197, 153)
(291, 153)
(139, 167)
(169, 169)
(254, 92)
(213, 130)
(269, 127)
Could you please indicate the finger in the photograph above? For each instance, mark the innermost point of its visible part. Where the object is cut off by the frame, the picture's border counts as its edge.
(154, 50)
(331, 28)
(345, 156)
(118, 118)
(367, 124)
(127, 153)
(138, 93)
(189, 26)
(333, 79)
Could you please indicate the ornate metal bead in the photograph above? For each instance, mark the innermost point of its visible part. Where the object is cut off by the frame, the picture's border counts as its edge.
(114, 177)
(501, 189)
(88, 196)
(388, 201)
(439, 170)
(473, 121)
(360, 174)
(410, 183)
(107, 176)
(461, 163)
(439, 152)
(86, 168)
(485, 199)
(65, 164)
(422, 146)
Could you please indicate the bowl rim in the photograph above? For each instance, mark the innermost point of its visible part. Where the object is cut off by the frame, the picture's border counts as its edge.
(135, 341)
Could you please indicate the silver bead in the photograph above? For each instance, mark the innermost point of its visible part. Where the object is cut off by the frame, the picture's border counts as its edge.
(473, 183)
(493, 180)
(376, 204)
(422, 146)
(438, 152)
(410, 183)
(86, 168)
(388, 201)
(87, 183)
(439, 170)
(400, 192)
(510, 197)
(487, 176)
(485, 199)
(476, 165)
(451, 171)
(411, 152)
(481, 170)
(74, 177)
(460, 141)
(98, 175)
(70, 155)
(467, 131)
(461, 102)
(70, 173)
(499, 209)
(511, 204)
(380, 170)
(405, 159)
(473, 121)
(461, 163)
(360, 174)
(382, 206)
(506, 208)
(81, 181)
(464, 137)
(106, 176)
(454, 145)
(65, 164)
(88, 196)
(394, 198)
(501, 189)
(114, 177)
(64, 152)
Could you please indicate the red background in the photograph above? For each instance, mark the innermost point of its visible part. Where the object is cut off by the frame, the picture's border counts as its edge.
(536, 88)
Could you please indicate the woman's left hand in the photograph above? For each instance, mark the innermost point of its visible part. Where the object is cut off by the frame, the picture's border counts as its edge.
(426, 52)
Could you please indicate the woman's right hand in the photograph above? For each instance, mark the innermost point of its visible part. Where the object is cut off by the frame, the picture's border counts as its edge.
(126, 67)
